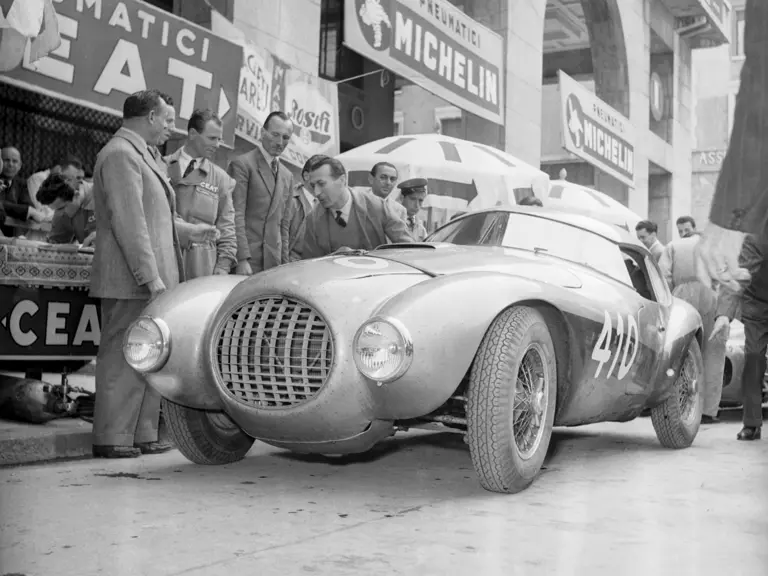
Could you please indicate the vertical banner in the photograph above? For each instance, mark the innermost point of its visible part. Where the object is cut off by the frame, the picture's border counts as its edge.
(267, 84)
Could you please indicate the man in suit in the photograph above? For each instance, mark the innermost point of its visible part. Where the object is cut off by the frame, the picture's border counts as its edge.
(137, 257)
(413, 192)
(646, 232)
(204, 194)
(348, 218)
(686, 226)
(740, 203)
(263, 188)
(750, 302)
(382, 179)
(303, 203)
(14, 193)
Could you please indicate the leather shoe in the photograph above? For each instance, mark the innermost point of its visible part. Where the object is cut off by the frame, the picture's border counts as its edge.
(115, 452)
(710, 419)
(749, 433)
(154, 447)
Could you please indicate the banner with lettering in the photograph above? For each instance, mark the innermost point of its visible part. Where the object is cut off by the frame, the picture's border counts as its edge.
(267, 83)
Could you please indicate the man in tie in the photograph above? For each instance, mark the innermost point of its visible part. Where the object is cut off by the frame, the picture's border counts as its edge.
(413, 192)
(263, 188)
(303, 203)
(382, 179)
(204, 194)
(137, 257)
(346, 218)
(14, 193)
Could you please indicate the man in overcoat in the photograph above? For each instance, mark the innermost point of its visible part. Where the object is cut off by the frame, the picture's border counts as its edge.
(263, 188)
(137, 257)
(204, 194)
(349, 218)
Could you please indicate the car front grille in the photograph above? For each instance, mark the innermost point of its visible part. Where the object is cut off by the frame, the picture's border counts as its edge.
(274, 352)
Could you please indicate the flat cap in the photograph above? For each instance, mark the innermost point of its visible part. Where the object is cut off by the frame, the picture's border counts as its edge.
(413, 183)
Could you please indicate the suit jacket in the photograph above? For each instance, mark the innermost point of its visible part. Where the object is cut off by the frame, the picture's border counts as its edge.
(205, 196)
(16, 202)
(299, 212)
(260, 202)
(753, 297)
(741, 194)
(137, 240)
(378, 221)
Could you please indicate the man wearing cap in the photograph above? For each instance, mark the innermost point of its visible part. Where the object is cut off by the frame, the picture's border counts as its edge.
(413, 192)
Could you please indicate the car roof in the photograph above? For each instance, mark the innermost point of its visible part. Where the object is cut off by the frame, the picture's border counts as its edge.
(615, 234)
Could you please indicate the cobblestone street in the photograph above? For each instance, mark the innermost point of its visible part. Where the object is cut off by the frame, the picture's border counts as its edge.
(610, 501)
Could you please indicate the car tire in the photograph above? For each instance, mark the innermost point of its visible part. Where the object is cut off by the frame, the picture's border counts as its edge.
(203, 437)
(677, 420)
(518, 343)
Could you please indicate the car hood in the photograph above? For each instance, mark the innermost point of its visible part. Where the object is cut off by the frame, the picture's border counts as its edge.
(442, 259)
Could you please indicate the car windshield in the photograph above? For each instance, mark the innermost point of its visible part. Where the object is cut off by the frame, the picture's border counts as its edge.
(536, 234)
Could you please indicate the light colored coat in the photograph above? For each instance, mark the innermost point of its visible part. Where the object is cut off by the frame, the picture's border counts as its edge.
(299, 212)
(137, 240)
(260, 202)
(378, 223)
(205, 196)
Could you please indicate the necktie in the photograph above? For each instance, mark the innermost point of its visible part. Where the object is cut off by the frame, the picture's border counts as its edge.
(340, 219)
(190, 167)
(411, 222)
(275, 165)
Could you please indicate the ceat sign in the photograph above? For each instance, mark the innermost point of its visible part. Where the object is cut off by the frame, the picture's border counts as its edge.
(48, 324)
(111, 49)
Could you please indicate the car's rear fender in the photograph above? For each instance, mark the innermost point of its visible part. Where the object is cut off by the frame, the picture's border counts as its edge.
(189, 310)
(447, 318)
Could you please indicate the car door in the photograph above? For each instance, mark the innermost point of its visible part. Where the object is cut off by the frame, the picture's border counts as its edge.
(650, 319)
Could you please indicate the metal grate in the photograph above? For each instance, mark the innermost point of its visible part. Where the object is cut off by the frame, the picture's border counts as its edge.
(44, 129)
(274, 352)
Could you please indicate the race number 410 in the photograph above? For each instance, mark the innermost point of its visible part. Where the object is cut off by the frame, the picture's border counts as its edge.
(627, 348)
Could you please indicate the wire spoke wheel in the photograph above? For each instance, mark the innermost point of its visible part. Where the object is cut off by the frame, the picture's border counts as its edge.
(530, 403)
(687, 383)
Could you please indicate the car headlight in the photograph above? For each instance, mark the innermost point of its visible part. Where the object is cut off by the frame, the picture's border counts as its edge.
(147, 344)
(383, 349)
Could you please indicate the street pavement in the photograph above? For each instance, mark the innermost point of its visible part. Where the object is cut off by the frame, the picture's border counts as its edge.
(610, 502)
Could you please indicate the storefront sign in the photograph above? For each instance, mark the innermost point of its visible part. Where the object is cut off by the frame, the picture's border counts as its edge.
(435, 45)
(51, 324)
(708, 160)
(267, 83)
(596, 132)
(111, 49)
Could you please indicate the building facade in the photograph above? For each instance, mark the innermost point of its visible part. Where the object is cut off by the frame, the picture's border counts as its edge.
(716, 74)
(634, 55)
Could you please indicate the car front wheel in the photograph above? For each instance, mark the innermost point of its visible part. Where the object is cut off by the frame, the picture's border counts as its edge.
(677, 420)
(205, 437)
(511, 400)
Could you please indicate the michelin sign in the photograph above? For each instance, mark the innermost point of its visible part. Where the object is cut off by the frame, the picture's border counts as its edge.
(595, 132)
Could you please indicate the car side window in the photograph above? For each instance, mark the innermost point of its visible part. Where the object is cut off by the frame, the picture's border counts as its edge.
(638, 272)
(660, 287)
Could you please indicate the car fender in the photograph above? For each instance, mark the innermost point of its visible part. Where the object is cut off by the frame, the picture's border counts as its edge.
(459, 309)
(683, 326)
(189, 310)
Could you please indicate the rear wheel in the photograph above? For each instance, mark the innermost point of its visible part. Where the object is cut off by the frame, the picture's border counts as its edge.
(205, 437)
(677, 420)
(511, 401)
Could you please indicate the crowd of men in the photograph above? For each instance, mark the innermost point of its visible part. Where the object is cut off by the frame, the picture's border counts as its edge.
(157, 221)
(718, 305)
